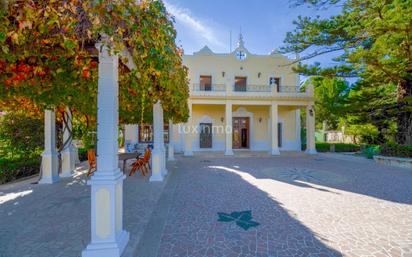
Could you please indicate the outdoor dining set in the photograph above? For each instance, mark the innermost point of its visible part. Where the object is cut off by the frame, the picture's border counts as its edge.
(141, 163)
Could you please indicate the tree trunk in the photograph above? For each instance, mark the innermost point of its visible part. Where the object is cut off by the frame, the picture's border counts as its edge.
(404, 119)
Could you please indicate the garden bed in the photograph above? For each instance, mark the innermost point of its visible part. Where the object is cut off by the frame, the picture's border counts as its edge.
(394, 161)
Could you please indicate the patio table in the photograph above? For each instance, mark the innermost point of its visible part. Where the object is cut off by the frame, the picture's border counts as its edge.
(128, 156)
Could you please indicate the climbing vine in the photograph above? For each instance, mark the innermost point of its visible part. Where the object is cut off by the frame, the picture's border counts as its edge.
(48, 56)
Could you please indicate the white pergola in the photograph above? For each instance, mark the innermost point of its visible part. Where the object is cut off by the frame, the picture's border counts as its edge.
(108, 237)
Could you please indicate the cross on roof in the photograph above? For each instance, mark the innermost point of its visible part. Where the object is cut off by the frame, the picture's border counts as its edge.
(241, 55)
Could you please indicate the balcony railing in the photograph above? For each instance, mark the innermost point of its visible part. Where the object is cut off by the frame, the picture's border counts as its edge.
(252, 88)
(261, 90)
(288, 89)
(209, 87)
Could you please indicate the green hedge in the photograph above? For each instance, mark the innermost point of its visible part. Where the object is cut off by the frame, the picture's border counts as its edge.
(326, 147)
(13, 169)
(322, 147)
(395, 150)
(347, 148)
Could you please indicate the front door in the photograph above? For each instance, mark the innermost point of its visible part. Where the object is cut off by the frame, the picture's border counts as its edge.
(240, 133)
(205, 135)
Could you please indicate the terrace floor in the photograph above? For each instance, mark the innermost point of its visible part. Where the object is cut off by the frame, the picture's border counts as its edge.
(250, 204)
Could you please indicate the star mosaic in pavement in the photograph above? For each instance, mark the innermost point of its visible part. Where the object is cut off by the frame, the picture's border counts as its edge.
(300, 174)
(243, 219)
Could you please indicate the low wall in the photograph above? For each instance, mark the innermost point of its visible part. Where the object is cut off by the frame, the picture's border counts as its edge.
(394, 161)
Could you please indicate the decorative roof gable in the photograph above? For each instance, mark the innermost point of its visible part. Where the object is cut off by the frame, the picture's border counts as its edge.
(204, 51)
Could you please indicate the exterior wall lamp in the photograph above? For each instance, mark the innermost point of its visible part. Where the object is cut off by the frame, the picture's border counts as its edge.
(223, 74)
(222, 119)
(259, 74)
(311, 111)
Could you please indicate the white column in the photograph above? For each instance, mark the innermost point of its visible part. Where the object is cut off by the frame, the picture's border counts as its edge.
(108, 239)
(49, 164)
(75, 153)
(298, 130)
(187, 133)
(68, 154)
(131, 137)
(310, 130)
(171, 148)
(158, 144)
(162, 140)
(274, 129)
(228, 128)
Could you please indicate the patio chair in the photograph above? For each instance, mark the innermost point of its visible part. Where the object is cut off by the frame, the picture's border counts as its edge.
(91, 158)
(142, 163)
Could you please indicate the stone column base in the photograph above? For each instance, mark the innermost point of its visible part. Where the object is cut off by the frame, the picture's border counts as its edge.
(164, 168)
(170, 155)
(311, 151)
(67, 163)
(50, 169)
(188, 153)
(157, 166)
(108, 249)
(109, 239)
(229, 152)
(275, 151)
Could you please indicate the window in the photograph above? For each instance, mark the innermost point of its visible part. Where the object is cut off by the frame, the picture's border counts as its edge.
(206, 83)
(240, 83)
(146, 133)
(275, 81)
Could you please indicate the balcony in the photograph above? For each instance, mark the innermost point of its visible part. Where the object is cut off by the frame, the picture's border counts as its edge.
(252, 88)
(253, 91)
(289, 89)
(209, 87)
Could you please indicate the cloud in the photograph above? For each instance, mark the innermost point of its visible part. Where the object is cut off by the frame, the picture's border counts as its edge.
(200, 29)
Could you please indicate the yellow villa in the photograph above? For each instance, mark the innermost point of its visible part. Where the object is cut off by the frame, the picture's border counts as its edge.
(239, 101)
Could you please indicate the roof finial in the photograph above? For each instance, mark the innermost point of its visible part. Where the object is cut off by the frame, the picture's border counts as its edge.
(241, 43)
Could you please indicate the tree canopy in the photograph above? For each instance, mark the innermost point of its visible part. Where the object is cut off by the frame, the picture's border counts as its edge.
(373, 42)
(330, 99)
(48, 57)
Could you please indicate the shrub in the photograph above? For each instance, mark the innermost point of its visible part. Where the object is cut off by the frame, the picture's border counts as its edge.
(20, 134)
(370, 151)
(12, 169)
(82, 154)
(322, 147)
(21, 142)
(347, 148)
(326, 147)
(395, 150)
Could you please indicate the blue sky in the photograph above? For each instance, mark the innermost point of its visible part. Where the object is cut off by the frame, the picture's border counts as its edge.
(264, 23)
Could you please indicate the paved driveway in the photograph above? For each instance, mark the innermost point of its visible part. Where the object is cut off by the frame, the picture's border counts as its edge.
(293, 205)
(326, 205)
(54, 220)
